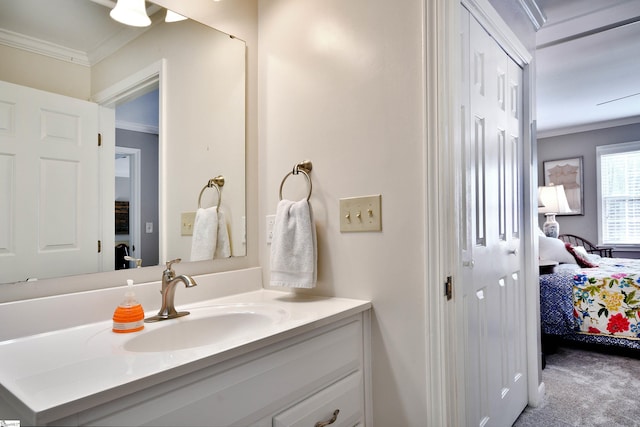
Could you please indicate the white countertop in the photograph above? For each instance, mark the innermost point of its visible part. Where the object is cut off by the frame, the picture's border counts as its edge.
(55, 374)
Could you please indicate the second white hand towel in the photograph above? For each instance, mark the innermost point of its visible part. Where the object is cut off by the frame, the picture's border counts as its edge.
(205, 234)
(293, 246)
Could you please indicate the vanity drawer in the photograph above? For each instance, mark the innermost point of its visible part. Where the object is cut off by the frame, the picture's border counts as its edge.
(345, 395)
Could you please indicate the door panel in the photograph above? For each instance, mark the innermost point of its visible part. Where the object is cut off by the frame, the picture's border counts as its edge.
(493, 293)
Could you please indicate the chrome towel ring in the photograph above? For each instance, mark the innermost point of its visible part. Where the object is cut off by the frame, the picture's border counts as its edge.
(216, 183)
(304, 167)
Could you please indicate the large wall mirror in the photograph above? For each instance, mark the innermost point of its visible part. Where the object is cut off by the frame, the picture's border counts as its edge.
(189, 76)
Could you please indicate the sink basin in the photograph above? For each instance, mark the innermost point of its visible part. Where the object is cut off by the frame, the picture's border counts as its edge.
(206, 326)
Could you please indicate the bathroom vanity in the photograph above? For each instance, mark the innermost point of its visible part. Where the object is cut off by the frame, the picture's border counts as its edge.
(256, 358)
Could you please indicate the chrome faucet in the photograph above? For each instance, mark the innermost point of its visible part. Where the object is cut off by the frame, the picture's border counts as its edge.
(169, 282)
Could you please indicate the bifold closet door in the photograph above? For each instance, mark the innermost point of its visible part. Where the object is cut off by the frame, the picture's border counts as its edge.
(493, 289)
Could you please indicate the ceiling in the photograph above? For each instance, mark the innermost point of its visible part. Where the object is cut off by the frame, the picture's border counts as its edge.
(83, 33)
(77, 30)
(587, 59)
(587, 65)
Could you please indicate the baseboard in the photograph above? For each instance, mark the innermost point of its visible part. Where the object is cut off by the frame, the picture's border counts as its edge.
(536, 400)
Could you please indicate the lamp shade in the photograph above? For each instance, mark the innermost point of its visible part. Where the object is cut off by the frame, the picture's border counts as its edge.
(554, 199)
(131, 12)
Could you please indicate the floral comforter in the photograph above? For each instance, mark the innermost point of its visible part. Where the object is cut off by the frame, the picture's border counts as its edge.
(606, 300)
(601, 302)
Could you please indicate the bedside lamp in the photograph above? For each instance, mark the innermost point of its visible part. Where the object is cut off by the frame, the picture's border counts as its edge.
(554, 200)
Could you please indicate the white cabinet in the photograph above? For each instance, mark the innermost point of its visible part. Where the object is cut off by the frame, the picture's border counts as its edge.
(299, 380)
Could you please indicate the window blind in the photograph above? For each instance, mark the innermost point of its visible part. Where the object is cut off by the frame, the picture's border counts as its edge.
(620, 197)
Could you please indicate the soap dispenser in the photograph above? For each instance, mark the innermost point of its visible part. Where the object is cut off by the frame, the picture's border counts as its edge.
(129, 315)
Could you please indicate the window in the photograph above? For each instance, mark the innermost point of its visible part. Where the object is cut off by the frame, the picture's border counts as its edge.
(619, 193)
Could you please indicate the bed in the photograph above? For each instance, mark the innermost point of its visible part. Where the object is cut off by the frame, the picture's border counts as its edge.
(589, 299)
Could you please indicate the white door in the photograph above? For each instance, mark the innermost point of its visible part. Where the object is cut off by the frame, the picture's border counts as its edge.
(49, 194)
(492, 282)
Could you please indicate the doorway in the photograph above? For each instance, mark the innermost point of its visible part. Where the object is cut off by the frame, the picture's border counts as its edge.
(136, 107)
(137, 177)
(127, 207)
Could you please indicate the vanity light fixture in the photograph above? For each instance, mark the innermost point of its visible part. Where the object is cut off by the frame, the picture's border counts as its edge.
(173, 16)
(131, 12)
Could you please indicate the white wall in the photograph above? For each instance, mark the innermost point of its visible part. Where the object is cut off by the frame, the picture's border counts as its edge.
(44, 73)
(340, 83)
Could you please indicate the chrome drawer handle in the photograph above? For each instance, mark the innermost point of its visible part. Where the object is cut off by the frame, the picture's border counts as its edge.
(330, 421)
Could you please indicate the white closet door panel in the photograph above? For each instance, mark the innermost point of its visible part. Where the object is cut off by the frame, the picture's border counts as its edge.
(7, 194)
(493, 295)
(58, 209)
(7, 175)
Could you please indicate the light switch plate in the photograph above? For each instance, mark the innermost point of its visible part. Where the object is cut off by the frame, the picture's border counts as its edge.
(361, 213)
(187, 219)
(270, 220)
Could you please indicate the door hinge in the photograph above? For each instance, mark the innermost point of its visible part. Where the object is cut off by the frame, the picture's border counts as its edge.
(99, 246)
(99, 140)
(448, 288)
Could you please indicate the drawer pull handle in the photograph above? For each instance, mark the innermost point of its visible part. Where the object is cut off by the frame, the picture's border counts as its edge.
(330, 421)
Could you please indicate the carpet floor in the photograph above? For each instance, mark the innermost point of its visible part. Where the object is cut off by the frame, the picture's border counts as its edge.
(587, 388)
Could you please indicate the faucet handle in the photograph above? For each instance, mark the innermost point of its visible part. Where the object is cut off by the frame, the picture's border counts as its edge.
(168, 273)
(173, 261)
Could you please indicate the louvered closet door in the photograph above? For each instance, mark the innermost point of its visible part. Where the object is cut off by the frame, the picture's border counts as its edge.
(493, 292)
(49, 184)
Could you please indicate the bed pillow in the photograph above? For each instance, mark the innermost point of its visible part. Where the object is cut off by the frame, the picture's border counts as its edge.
(580, 250)
(582, 261)
(554, 250)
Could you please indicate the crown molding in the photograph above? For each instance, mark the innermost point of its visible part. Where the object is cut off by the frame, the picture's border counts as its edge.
(533, 11)
(137, 127)
(43, 47)
(548, 133)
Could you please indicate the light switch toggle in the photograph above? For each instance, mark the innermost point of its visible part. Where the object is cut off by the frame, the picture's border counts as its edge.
(366, 210)
(187, 219)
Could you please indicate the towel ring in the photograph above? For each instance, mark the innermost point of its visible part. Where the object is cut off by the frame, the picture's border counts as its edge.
(216, 183)
(304, 167)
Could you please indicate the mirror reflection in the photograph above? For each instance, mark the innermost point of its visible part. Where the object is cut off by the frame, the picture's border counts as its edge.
(194, 77)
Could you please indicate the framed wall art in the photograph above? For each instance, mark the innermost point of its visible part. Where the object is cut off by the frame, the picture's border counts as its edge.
(568, 173)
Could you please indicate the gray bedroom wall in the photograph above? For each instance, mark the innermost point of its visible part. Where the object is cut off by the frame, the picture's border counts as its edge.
(584, 144)
(148, 144)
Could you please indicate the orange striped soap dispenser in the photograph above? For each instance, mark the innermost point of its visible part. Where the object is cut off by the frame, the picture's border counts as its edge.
(129, 315)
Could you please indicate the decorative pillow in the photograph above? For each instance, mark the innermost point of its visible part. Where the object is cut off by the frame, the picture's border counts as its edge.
(580, 250)
(553, 249)
(582, 261)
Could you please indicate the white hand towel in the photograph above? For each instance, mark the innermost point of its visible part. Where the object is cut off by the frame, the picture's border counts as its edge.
(293, 246)
(205, 234)
(223, 245)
